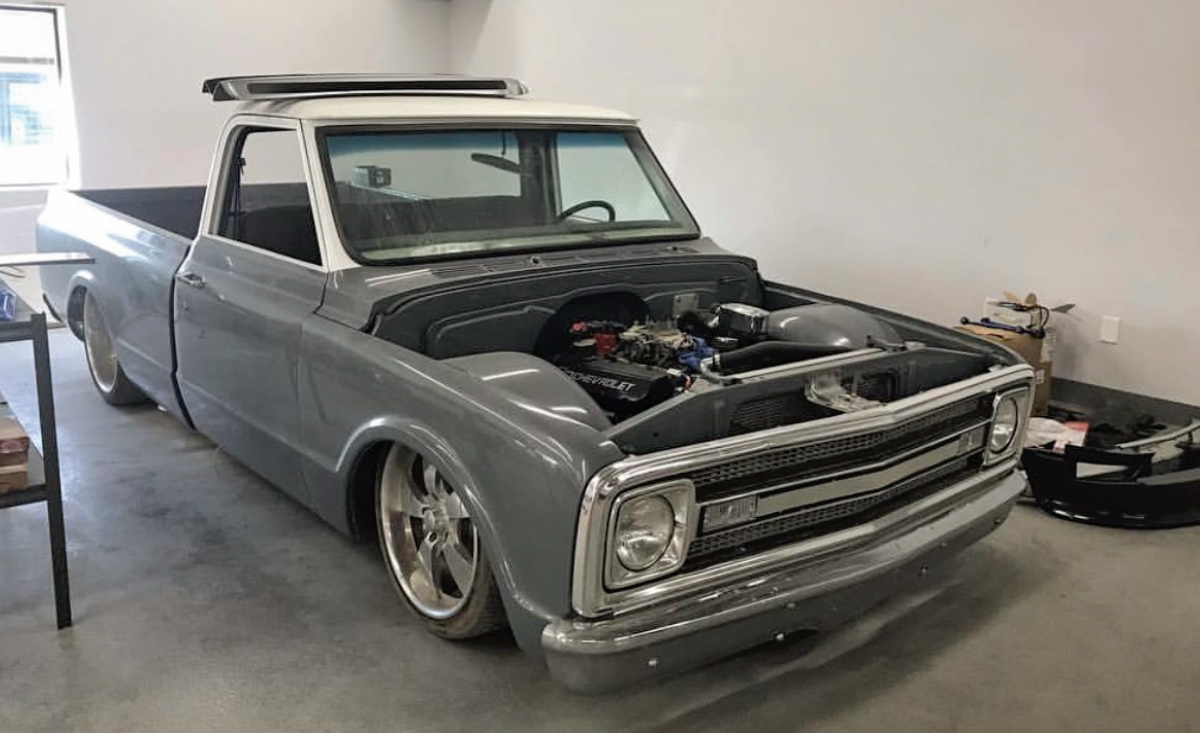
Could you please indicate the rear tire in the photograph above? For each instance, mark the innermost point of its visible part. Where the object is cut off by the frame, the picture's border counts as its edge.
(432, 550)
(106, 371)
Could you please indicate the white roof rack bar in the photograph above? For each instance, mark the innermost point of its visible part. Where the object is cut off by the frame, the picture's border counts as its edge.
(296, 86)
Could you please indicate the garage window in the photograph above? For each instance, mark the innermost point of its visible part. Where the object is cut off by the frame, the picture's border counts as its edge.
(34, 113)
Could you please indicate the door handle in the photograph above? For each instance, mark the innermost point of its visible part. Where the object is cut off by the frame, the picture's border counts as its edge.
(190, 278)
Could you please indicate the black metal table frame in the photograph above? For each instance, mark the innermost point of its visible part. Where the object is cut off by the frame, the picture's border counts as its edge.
(45, 484)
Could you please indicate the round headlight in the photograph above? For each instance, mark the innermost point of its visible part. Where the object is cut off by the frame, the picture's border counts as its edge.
(643, 532)
(1004, 425)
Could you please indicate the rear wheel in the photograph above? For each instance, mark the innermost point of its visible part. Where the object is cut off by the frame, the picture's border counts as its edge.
(432, 549)
(107, 375)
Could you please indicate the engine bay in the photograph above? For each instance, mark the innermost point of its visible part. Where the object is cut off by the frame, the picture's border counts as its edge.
(675, 349)
(628, 366)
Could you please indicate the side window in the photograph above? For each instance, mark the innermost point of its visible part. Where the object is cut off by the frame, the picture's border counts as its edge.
(266, 200)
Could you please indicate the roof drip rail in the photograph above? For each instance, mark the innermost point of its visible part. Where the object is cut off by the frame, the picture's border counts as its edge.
(297, 86)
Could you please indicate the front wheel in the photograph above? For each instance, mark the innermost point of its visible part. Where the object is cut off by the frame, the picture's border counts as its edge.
(432, 549)
(106, 371)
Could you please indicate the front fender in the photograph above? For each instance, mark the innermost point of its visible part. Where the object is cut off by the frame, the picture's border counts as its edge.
(781, 295)
(521, 468)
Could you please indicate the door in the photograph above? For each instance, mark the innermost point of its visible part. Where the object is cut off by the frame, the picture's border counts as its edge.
(241, 297)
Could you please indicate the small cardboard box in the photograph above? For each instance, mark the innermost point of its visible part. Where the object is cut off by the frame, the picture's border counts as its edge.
(1037, 352)
(13, 478)
(14, 443)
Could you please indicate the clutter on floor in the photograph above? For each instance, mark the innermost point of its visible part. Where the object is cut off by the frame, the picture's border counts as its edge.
(1147, 482)
(1023, 325)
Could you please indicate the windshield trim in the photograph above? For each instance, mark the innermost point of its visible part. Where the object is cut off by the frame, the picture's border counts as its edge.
(689, 232)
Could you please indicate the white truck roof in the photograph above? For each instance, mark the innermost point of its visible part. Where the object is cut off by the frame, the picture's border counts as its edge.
(440, 107)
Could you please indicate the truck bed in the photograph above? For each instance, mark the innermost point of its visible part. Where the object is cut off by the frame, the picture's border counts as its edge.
(138, 238)
(173, 208)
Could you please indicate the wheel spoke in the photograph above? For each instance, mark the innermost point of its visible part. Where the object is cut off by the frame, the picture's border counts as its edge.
(433, 481)
(454, 507)
(425, 560)
(461, 567)
(408, 500)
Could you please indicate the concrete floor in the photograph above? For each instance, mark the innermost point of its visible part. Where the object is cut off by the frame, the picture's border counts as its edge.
(206, 600)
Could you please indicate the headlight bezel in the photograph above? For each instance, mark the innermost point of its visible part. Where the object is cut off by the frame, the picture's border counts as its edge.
(681, 496)
(1020, 397)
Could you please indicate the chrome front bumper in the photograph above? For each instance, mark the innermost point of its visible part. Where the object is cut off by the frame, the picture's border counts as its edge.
(809, 594)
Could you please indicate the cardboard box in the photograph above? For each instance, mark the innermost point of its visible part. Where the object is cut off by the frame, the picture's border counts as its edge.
(13, 478)
(14, 443)
(1037, 352)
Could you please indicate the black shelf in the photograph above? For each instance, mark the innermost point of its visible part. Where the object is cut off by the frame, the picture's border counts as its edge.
(15, 331)
(21, 497)
(44, 480)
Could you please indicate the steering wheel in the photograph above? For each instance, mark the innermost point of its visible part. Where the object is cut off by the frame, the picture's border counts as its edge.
(591, 204)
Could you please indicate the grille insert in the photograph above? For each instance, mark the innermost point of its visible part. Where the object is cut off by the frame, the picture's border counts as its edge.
(801, 461)
(758, 536)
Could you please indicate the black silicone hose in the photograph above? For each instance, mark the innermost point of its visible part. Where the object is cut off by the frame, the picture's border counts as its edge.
(772, 353)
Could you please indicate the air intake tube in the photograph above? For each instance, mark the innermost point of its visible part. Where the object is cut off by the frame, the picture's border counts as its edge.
(772, 353)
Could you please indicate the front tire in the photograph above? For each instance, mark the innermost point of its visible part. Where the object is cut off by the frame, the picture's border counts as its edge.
(106, 371)
(432, 549)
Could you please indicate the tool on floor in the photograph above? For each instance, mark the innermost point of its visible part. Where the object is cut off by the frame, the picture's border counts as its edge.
(991, 324)
(1035, 331)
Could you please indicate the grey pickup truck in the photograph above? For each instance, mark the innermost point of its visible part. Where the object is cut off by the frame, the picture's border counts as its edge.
(487, 331)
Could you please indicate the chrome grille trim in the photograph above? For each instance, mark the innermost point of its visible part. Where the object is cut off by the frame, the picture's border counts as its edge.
(770, 527)
(789, 494)
(789, 457)
(591, 599)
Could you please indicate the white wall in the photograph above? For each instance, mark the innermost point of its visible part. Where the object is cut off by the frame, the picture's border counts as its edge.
(918, 155)
(137, 66)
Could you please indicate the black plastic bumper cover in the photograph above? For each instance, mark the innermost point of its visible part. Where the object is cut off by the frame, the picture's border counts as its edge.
(1156, 501)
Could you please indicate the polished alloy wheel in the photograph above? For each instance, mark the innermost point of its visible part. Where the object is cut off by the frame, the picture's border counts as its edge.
(428, 537)
(98, 344)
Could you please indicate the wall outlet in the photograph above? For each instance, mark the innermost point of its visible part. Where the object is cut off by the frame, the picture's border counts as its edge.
(1110, 329)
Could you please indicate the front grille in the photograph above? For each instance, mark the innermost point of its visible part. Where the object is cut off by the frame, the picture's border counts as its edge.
(808, 460)
(810, 521)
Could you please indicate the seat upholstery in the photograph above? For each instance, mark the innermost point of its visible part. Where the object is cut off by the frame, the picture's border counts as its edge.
(287, 230)
(382, 218)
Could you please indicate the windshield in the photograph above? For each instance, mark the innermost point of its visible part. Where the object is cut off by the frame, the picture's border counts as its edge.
(400, 195)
